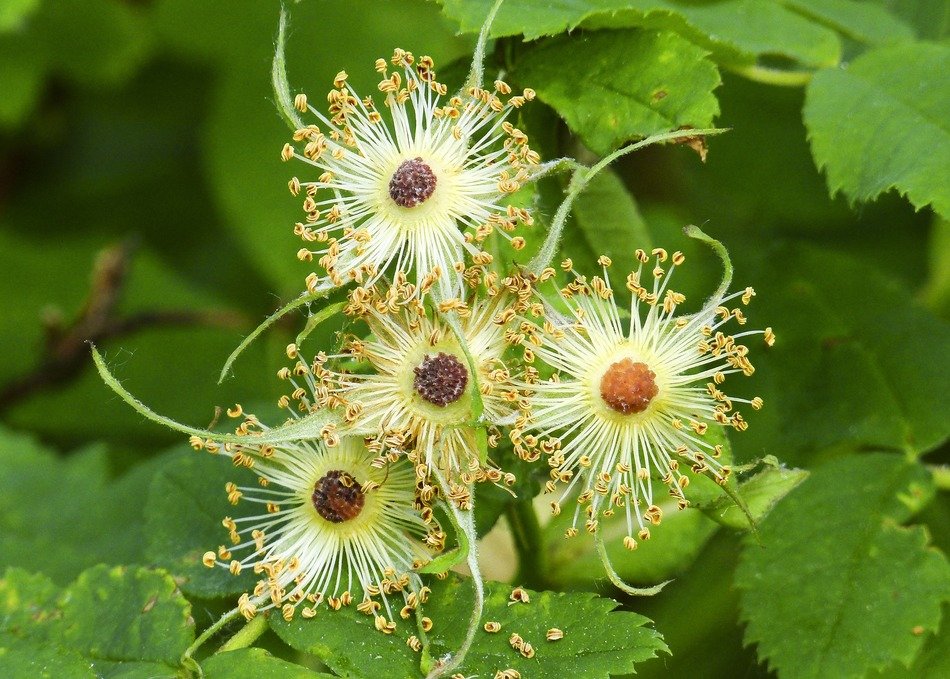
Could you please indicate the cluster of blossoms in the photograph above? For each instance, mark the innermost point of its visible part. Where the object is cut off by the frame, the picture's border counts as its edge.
(449, 361)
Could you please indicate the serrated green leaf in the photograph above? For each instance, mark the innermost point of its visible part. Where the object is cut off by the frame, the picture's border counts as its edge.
(837, 586)
(880, 124)
(25, 658)
(607, 217)
(349, 644)
(613, 86)
(736, 31)
(127, 614)
(45, 527)
(598, 640)
(255, 663)
(27, 603)
(109, 616)
(857, 362)
(183, 513)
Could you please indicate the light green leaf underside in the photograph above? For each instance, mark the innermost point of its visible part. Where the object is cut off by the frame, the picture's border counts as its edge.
(612, 86)
(760, 493)
(882, 124)
(838, 586)
(109, 616)
(736, 31)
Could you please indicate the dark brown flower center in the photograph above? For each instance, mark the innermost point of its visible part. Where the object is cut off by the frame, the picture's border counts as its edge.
(628, 387)
(337, 497)
(440, 379)
(412, 183)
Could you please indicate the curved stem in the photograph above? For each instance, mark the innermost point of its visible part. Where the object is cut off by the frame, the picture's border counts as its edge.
(285, 102)
(615, 578)
(186, 657)
(720, 250)
(300, 301)
(465, 520)
(477, 73)
(526, 530)
(579, 180)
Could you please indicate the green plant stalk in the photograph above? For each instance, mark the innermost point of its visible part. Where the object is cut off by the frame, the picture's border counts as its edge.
(579, 180)
(529, 542)
(285, 102)
(245, 636)
(465, 521)
(615, 578)
(477, 73)
(208, 633)
(300, 301)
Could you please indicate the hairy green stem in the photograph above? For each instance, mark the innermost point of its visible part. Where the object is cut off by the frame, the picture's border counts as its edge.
(579, 180)
(465, 521)
(477, 73)
(187, 656)
(303, 300)
(282, 96)
(526, 531)
(615, 578)
(245, 636)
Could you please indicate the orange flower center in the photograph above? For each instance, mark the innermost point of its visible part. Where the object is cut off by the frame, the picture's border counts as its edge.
(628, 387)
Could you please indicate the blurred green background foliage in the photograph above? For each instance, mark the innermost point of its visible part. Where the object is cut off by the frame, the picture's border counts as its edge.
(143, 205)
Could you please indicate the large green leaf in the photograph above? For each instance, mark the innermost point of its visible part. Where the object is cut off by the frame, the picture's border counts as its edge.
(881, 124)
(598, 640)
(183, 512)
(837, 586)
(27, 658)
(66, 510)
(349, 644)
(736, 31)
(109, 616)
(860, 21)
(255, 663)
(611, 86)
(857, 362)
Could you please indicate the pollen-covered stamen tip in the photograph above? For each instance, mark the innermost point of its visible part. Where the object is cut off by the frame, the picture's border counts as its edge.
(338, 497)
(440, 379)
(412, 183)
(628, 387)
